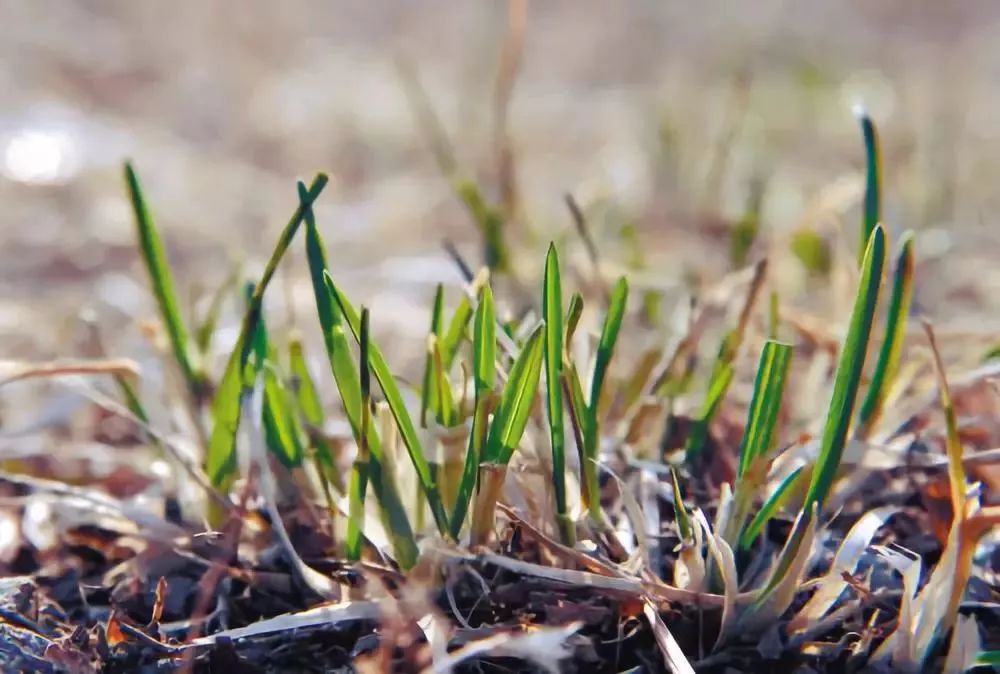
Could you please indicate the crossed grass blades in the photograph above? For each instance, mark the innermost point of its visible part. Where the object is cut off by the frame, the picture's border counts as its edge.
(460, 447)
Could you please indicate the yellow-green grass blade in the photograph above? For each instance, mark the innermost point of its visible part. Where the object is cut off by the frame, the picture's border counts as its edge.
(282, 427)
(892, 343)
(155, 259)
(774, 316)
(680, 511)
(573, 314)
(453, 336)
(428, 393)
(770, 508)
(873, 183)
(359, 473)
(490, 223)
(446, 412)
(347, 379)
(484, 343)
(768, 389)
(849, 369)
(220, 460)
(397, 407)
(552, 313)
(308, 398)
(514, 409)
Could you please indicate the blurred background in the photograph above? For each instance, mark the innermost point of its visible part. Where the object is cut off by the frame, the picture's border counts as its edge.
(671, 116)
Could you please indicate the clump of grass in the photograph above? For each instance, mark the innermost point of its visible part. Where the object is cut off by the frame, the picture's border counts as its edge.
(484, 408)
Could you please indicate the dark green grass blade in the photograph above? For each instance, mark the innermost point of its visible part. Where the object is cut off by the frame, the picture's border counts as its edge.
(770, 508)
(552, 313)
(873, 183)
(512, 413)
(155, 259)
(394, 399)
(282, 428)
(892, 343)
(347, 379)
(220, 460)
(717, 389)
(609, 336)
(768, 389)
(849, 368)
(428, 393)
(484, 344)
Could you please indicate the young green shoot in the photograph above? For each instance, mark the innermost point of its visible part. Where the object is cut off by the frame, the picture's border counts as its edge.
(484, 377)
(552, 313)
(359, 472)
(591, 415)
(347, 379)
(507, 429)
(220, 459)
(892, 343)
(849, 369)
(155, 259)
(394, 399)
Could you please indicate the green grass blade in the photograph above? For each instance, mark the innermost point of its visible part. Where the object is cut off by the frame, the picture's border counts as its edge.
(394, 399)
(573, 314)
(849, 368)
(428, 393)
(490, 223)
(452, 338)
(768, 389)
(155, 259)
(347, 379)
(220, 459)
(773, 316)
(312, 412)
(873, 183)
(892, 343)
(609, 336)
(484, 343)
(680, 511)
(552, 313)
(717, 389)
(359, 473)
(305, 387)
(770, 508)
(282, 429)
(518, 395)
(446, 411)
